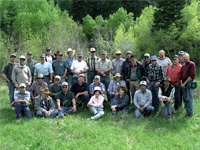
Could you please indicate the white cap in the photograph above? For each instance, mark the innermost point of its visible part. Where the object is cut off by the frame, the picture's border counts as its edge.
(57, 77)
(22, 57)
(97, 77)
(81, 75)
(22, 85)
(147, 54)
(143, 83)
(97, 88)
(64, 84)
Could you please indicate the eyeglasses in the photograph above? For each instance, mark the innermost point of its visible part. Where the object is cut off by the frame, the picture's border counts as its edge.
(12, 57)
(48, 50)
(146, 57)
(64, 87)
(153, 60)
(22, 59)
(40, 78)
(57, 80)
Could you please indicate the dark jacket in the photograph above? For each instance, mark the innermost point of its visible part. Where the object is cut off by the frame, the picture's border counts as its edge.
(125, 66)
(53, 58)
(121, 103)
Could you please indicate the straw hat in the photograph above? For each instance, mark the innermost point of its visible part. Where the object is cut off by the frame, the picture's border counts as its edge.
(45, 90)
(70, 50)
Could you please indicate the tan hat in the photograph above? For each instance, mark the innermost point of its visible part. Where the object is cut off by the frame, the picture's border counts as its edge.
(81, 75)
(117, 75)
(57, 77)
(45, 90)
(167, 79)
(22, 57)
(118, 52)
(123, 88)
(64, 84)
(12, 55)
(128, 52)
(22, 85)
(70, 50)
(40, 76)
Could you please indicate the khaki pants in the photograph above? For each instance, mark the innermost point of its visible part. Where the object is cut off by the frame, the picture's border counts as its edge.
(134, 86)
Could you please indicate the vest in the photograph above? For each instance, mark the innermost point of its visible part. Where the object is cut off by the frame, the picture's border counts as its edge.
(166, 93)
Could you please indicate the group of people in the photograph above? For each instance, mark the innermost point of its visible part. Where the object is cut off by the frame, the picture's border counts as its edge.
(59, 87)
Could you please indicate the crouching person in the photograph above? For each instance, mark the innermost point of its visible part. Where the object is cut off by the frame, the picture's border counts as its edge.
(166, 97)
(44, 106)
(21, 101)
(96, 104)
(142, 101)
(66, 101)
(121, 101)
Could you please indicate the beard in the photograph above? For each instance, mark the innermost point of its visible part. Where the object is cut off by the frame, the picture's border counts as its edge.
(22, 63)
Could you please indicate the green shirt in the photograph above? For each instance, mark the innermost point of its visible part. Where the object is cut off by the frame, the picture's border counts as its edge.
(31, 64)
(65, 99)
(55, 88)
(59, 67)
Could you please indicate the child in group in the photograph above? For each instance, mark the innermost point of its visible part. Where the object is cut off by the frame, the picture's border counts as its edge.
(96, 104)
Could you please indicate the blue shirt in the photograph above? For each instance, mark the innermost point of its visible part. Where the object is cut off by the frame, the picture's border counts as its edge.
(117, 66)
(20, 96)
(93, 85)
(112, 88)
(44, 69)
(69, 62)
(182, 63)
(141, 99)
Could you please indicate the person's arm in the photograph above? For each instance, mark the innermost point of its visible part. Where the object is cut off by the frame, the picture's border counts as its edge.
(171, 96)
(58, 104)
(110, 88)
(37, 106)
(90, 102)
(160, 96)
(30, 77)
(74, 105)
(51, 105)
(124, 103)
(13, 77)
(31, 90)
(4, 76)
(64, 73)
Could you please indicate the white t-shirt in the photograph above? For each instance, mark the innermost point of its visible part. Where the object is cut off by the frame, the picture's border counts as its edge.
(49, 59)
(78, 66)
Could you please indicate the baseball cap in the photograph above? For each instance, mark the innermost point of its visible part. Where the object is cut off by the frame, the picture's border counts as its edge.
(29, 53)
(81, 75)
(174, 57)
(147, 55)
(42, 55)
(104, 53)
(22, 57)
(118, 52)
(80, 54)
(143, 83)
(92, 50)
(128, 52)
(154, 57)
(48, 48)
(12, 55)
(64, 84)
(181, 53)
(22, 85)
(97, 77)
(57, 77)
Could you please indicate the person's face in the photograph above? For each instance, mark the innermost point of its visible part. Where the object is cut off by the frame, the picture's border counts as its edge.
(146, 58)
(57, 81)
(133, 60)
(22, 90)
(128, 55)
(117, 79)
(180, 57)
(103, 56)
(121, 92)
(58, 57)
(29, 57)
(48, 52)
(154, 62)
(22, 61)
(80, 58)
(118, 56)
(186, 58)
(40, 80)
(97, 93)
(44, 95)
(64, 88)
(42, 59)
(175, 61)
(70, 54)
(161, 54)
(92, 53)
(12, 58)
(80, 80)
(96, 80)
(166, 83)
(143, 88)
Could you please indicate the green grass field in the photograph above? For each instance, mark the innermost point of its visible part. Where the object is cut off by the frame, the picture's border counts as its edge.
(76, 132)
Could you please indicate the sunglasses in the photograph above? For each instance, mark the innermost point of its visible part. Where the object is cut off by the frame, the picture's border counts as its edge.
(22, 59)
(12, 57)
(40, 78)
(64, 87)
(57, 79)
(153, 60)
(146, 57)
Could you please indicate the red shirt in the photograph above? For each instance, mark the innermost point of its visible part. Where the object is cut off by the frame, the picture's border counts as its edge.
(175, 76)
(188, 70)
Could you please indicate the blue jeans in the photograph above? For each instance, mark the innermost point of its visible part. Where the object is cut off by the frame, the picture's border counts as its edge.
(22, 109)
(166, 109)
(46, 79)
(147, 111)
(69, 80)
(55, 103)
(97, 111)
(106, 81)
(11, 88)
(188, 97)
(27, 87)
(65, 110)
(177, 96)
(74, 80)
(52, 114)
(85, 99)
(154, 91)
(123, 110)
(90, 77)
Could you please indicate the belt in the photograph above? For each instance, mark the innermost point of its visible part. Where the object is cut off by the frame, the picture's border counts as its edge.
(47, 76)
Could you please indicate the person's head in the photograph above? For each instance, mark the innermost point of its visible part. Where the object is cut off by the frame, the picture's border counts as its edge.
(40, 78)
(42, 58)
(103, 55)
(175, 60)
(167, 81)
(180, 55)
(121, 90)
(80, 78)
(58, 55)
(92, 52)
(147, 57)
(70, 53)
(118, 54)
(80, 57)
(97, 79)
(154, 60)
(161, 54)
(22, 88)
(45, 92)
(48, 51)
(186, 57)
(143, 85)
(117, 77)
(22, 60)
(12, 58)
(133, 59)
(64, 87)
(97, 91)
(29, 55)
(57, 80)
(128, 54)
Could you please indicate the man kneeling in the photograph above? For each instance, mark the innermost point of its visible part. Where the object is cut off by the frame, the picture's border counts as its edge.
(142, 101)
(44, 106)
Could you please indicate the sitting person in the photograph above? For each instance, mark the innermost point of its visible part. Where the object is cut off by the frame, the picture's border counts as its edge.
(121, 101)
(21, 101)
(166, 97)
(80, 90)
(44, 106)
(96, 104)
(142, 101)
(36, 87)
(54, 88)
(66, 101)
(95, 84)
(112, 88)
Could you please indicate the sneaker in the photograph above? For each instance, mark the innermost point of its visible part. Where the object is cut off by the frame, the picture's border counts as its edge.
(13, 108)
(89, 119)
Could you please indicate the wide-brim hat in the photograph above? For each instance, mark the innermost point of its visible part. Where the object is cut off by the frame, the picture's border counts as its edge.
(40, 76)
(123, 88)
(45, 90)
(58, 53)
(70, 50)
(117, 75)
(97, 88)
(167, 79)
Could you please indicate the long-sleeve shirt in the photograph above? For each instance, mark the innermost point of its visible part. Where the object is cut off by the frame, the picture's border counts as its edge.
(164, 63)
(154, 73)
(97, 102)
(174, 74)
(20, 96)
(141, 99)
(93, 85)
(36, 88)
(112, 88)
(188, 70)
(122, 103)
(117, 66)
(171, 96)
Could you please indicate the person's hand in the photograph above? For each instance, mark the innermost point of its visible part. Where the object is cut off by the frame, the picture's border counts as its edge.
(66, 78)
(17, 86)
(161, 100)
(113, 107)
(90, 105)
(157, 84)
(92, 93)
(27, 102)
(128, 80)
(102, 73)
(47, 114)
(183, 85)
(168, 100)
(59, 109)
(62, 77)
(74, 109)
(29, 84)
(77, 95)
(50, 81)
(148, 81)
(12, 103)
(141, 109)
(116, 94)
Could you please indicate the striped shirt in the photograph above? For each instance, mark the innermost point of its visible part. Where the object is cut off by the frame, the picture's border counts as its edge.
(112, 89)
(154, 73)
(91, 62)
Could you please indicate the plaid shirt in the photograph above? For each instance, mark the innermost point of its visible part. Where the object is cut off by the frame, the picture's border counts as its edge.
(91, 62)
(112, 89)
(104, 65)
(154, 73)
(93, 85)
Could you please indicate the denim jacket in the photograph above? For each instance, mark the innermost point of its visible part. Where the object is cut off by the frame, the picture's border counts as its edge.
(122, 103)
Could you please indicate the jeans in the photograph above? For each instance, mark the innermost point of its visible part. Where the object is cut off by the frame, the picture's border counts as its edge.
(188, 97)
(52, 114)
(147, 111)
(84, 98)
(97, 111)
(154, 91)
(177, 97)
(61, 81)
(125, 109)
(11, 88)
(69, 80)
(27, 87)
(22, 109)
(106, 81)
(65, 110)
(166, 109)
(90, 77)
(46, 79)
(74, 80)
(134, 86)
(55, 103)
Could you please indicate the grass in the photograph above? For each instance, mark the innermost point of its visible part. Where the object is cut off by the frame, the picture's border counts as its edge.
(76, 132)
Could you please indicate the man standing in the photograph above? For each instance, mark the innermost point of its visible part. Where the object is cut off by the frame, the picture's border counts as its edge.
(174, 72)
(154, 76)
(31, 64)
(117, 63)
(45, 69)
(59, 66)
(80, 90)
(95, 84)
(91, 63)
(147, 60)
(66, 101)
(22, 74)
(180, 57)
(69, 60)
(188, 73)
(44, 106)
(49, 58)
(7, 75)
(78, 67)
(21, 102)
(142, 101)
(163, 61)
